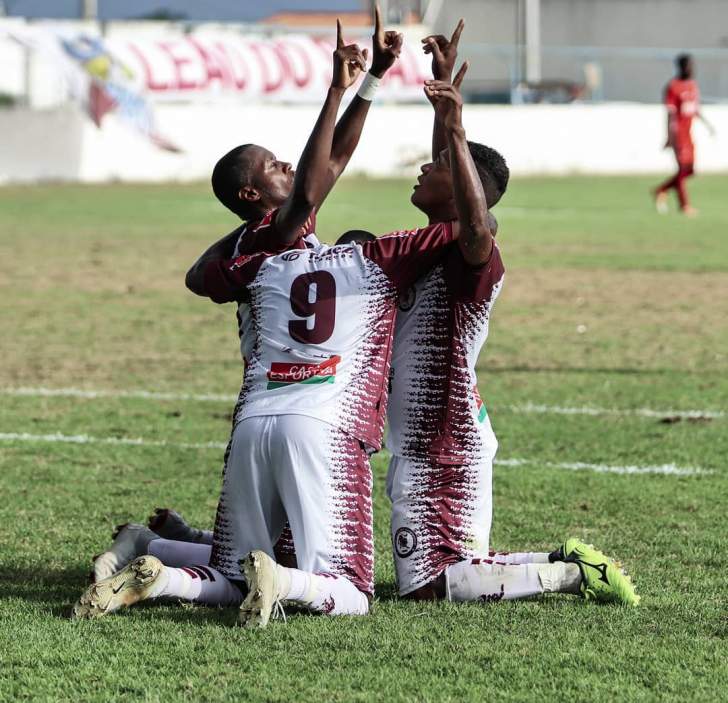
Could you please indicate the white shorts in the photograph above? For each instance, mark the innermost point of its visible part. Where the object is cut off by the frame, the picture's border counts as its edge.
(295, 467)
(441, 515)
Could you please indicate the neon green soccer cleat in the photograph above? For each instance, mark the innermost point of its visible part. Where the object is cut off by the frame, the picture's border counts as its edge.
(603, 579)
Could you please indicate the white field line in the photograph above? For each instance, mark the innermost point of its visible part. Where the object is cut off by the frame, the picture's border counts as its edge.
(664, 469)
(90, 394)
(528, 408)
(634, 412)
(86, 439)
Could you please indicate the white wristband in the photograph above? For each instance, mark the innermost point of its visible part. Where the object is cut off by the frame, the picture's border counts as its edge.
(368, 88)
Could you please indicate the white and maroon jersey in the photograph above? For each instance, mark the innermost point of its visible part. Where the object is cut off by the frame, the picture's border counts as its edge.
(254, 238)
(321, 325)
(435, 410)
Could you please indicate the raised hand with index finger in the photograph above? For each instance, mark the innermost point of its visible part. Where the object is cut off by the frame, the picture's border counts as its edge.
(447, 100)
(444, 52)
(387, 46)
(349, 62)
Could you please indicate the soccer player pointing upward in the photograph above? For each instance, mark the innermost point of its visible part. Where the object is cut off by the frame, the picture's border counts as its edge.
(442, 444)
(314, 394)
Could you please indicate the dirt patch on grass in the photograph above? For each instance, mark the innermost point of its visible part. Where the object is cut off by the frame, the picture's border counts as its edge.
(611, 319)
(563, 319)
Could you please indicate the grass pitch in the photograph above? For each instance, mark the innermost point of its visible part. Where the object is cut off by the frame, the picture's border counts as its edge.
(606, 306)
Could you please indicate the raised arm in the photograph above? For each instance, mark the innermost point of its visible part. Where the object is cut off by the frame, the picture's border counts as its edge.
(444, 52)
(313, 172)
(387, 47)
(475, 237)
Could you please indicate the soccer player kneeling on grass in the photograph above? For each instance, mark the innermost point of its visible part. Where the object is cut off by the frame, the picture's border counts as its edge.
(251, 182)
(442, 443)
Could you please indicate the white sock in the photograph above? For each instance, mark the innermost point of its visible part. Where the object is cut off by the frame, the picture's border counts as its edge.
(296, 585)
(199, 584)
(468, 581)
(503, 558)
(321, 593)
(173, 553)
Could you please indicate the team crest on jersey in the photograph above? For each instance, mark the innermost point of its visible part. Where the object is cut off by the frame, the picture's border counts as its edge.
(407, 299)
(290, 255)
(285, 374)
(405, 542)
(479, 405)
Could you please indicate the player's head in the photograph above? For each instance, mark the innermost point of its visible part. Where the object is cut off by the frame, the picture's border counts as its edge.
(355, 236)
(433, 192)
(684, 65)
(250, 181)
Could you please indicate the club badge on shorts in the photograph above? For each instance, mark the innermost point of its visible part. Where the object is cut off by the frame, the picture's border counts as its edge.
(405, 542)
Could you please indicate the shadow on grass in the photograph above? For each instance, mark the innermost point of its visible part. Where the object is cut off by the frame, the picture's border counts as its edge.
(59, 589)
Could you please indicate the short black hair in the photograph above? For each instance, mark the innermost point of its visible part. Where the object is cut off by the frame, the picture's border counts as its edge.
(492, 170)
(682, 61)
(356, 236)
(232, 172)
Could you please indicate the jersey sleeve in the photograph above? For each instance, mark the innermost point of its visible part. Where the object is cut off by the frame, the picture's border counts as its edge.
(406, 256)
(226, 280)
(263, 237)
(472, 284)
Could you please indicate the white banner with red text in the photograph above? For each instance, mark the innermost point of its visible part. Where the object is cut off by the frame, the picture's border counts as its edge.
(163, 62)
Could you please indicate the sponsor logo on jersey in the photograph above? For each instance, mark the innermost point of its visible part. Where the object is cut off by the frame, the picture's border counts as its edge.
(285, 374)
(479, 405)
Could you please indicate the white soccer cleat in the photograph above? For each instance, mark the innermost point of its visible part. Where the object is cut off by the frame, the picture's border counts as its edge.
(261, 575)
(132, 584)
(130, 541)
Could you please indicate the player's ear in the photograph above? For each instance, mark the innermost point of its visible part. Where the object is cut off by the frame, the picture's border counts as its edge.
(249, 193)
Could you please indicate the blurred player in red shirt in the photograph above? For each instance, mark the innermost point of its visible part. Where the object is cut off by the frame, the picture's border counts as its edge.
(682, 99)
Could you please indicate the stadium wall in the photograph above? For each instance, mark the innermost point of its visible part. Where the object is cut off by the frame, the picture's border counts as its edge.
(63, 144)
(633, 42)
